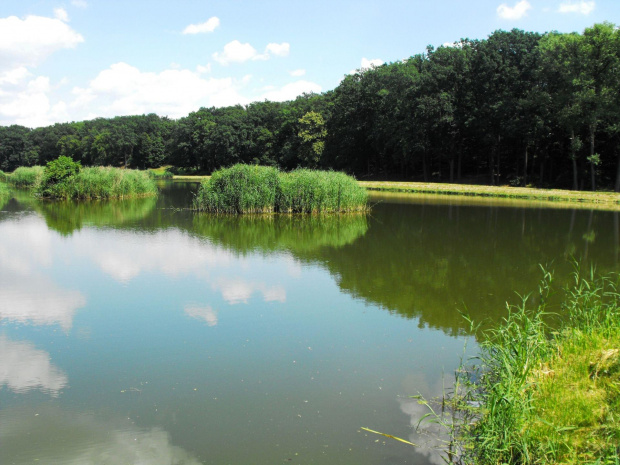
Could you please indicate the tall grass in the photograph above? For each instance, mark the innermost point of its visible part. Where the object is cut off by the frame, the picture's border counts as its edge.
(540, 395)
(4, 177)
(103, 183)
(27, 176)
(239, 189)
(261, 189)
(4, 192)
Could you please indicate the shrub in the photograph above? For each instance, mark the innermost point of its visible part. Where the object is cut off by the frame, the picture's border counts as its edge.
(57, 171)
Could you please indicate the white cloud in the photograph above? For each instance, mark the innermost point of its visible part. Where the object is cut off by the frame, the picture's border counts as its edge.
(518, 11)
(27, 42)
(79, 3)
(291, 91)
(280, 50)
(297, 72)
(366, 63)
(203, 69)
(125, 90)
(583, 7)
(61, 14)
(25, 368)
(236, 52)
(207, 26)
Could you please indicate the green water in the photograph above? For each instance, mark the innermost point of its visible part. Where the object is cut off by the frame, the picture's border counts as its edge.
(139, 332)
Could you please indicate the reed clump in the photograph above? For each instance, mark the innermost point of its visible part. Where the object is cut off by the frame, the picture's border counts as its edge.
(262, 189)
(543, 395)
(102, 183)
(27, 176)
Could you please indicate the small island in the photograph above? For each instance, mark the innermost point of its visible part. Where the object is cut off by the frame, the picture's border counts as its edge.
(264, 189)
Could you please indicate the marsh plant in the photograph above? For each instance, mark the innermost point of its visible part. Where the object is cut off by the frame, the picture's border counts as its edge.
(539, 394)
(27, 177)
(65, 179)
(263, 189)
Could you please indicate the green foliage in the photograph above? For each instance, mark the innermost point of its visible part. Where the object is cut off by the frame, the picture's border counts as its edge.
(239, 189)
(311, 191)
(57, 171)
(540, 394)
(103, 183)
(5, 193)
(27, 177)
(261, 189)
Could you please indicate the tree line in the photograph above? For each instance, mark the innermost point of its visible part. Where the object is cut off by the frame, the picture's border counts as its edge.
(518, 107)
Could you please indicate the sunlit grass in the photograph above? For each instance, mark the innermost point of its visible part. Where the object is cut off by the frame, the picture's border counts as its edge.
(539, 395)
(495, 191)
(103, 183)
(27, 176)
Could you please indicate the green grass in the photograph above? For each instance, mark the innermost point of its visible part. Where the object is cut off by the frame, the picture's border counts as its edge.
(555, 195)
(5, 193)
(162, 172)
(103, 183)
(262, 189)
(4, 177)
(27, 177)
(540, 395)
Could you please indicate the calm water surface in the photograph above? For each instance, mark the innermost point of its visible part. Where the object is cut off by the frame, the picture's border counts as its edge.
(137, 332)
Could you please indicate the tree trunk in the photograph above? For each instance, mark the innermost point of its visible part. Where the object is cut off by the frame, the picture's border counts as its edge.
(525, 167)
(451, 169)
(617, 186)
(592, 165)
(573, 158)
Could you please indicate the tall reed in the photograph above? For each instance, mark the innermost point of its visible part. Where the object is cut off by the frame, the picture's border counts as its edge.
(539, 395)
(261, 189)
(27, 176)
(103, 183)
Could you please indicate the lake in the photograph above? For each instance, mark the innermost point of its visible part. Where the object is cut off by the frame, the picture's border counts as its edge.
(140, 332)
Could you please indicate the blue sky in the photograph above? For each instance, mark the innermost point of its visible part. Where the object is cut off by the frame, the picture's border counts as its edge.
(70, 60)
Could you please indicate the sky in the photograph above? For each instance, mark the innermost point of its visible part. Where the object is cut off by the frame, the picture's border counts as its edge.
(72, 60)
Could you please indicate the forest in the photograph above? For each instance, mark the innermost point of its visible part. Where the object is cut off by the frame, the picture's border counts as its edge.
(518, 108)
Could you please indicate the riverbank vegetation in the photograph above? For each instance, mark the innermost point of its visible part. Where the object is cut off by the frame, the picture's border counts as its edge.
(542, 393)
(264, 189)
(27, 177)
(517, 108)
(611, 199)
(65, 179)
(4, 191)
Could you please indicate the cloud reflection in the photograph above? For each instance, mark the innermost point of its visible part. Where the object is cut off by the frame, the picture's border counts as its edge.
(37, 300)
(236, 291)
(84, 440)
(206, 314)
(24, 368)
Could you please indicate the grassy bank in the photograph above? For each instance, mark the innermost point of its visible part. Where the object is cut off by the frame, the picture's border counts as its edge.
(262, 189)
(27, 176)
(102, 183)
(611, 198)
(540, 395)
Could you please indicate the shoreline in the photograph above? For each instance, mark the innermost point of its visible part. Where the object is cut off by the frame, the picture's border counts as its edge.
(545, 197)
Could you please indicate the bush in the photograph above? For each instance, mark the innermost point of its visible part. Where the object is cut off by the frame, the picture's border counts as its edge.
(261, 189)
(57, 171)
